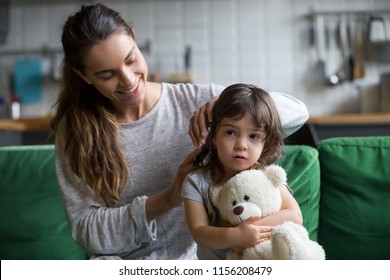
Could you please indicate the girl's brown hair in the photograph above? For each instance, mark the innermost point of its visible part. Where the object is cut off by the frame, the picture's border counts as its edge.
(235, 102)
(84, 125)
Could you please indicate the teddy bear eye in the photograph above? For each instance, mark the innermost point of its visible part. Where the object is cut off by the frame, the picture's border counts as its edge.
(246, 198)
(234, 202)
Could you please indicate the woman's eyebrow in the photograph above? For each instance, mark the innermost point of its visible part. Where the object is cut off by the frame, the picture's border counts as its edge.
(110, 70)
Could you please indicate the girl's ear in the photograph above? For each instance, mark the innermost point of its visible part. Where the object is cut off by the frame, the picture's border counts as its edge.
(82, 76)
(214, 145)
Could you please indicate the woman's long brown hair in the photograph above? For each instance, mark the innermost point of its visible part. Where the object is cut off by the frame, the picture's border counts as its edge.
(84, 125)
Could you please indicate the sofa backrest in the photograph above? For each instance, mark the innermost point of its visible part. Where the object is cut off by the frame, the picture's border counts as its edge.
(355, 194)
(303, 173)
(33, 223)
(33, 219)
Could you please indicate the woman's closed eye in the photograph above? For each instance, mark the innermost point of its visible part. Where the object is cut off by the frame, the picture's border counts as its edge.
(106, 75)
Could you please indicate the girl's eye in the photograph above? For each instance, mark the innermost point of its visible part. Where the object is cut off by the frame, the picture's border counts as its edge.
(230, 132)
(257, 136)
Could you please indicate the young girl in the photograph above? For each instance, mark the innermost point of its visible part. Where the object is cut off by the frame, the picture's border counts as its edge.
(245, 134)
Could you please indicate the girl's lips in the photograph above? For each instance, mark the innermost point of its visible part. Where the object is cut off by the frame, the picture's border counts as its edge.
(239, 158)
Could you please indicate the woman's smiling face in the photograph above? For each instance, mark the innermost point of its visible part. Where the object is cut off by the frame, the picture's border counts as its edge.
(117, 69)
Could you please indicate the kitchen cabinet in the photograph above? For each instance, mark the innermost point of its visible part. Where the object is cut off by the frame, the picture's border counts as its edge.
(344, 125)
(26, 131)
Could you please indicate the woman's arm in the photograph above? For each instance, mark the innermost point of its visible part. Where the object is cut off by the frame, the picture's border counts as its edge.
(105, 229)
(290, 211)
(171, 198)
(243, 235)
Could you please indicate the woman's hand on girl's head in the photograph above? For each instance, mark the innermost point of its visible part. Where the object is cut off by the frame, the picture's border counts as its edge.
(198, 124)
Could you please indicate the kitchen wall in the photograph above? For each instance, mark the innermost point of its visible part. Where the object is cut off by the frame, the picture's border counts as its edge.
(265, 42)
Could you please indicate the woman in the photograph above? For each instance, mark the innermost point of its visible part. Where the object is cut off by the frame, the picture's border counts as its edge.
(120, 140)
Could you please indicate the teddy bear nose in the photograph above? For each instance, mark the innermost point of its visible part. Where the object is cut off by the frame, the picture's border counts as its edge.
(238, 210)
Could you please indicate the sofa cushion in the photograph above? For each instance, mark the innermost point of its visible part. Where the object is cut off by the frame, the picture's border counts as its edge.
(303, 173)
(355, 193)
(33, 223)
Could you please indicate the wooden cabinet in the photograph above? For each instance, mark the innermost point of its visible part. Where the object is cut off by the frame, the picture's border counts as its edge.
(28, 131)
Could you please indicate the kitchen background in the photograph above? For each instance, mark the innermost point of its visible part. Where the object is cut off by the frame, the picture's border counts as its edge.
(334, 55)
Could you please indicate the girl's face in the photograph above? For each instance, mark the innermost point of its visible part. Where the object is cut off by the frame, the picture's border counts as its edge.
(117, 69)
(239, 144)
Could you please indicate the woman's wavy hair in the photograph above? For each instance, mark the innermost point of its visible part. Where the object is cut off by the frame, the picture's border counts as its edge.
(235, 102)
(84, 125)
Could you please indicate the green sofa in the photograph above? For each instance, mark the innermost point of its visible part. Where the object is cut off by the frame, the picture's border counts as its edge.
(342, 187)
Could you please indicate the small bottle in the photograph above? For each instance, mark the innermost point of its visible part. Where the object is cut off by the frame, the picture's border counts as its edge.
(15, 107)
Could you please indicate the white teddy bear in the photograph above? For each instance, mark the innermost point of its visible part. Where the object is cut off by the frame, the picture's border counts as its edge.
(257, 193)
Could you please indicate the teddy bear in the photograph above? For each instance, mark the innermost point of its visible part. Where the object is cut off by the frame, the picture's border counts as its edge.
(257, 193)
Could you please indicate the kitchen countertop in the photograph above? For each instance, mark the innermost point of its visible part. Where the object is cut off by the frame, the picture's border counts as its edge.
(350, 119)
(26, 124)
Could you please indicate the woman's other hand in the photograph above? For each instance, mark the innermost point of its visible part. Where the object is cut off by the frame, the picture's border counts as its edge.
(171, 198)
(199, 122)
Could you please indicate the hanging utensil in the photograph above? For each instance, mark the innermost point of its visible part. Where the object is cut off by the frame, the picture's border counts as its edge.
(359, 69)
(320, 68)
(340, 74)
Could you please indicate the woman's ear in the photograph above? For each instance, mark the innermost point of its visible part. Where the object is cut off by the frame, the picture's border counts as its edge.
(82, 76)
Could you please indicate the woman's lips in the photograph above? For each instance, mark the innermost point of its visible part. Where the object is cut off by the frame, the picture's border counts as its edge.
(130, 92)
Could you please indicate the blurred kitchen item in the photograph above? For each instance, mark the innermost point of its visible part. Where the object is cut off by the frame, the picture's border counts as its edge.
(350, 57)
(342, 41)
(385, 92)
(15, 107)
(181, 78)
(28, 79)
(377, 29)
(186, 76)
(2, 107)
(369, 98)
(187, 59)
(358, 46)
(320, 68)
(4, 20)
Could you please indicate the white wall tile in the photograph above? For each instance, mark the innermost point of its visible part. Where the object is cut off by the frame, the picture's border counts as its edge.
(264, 42)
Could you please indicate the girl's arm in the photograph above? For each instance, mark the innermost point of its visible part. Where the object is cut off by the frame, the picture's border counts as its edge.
(290, 211)
(244, 235)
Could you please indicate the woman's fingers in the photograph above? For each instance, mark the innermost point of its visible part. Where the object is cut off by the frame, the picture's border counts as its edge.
(198, 128)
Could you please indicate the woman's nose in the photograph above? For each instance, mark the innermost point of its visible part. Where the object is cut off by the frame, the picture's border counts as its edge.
(127, 77)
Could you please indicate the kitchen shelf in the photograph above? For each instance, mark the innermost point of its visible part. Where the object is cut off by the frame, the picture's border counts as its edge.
(352, 13)
(43, 51)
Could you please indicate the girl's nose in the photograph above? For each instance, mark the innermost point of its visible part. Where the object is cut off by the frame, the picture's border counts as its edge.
(240, 144)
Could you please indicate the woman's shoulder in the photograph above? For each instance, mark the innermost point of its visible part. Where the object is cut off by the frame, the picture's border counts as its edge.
(192, 88)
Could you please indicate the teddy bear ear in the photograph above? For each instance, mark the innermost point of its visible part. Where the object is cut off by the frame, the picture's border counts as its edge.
(215, 194)
(276, 174)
